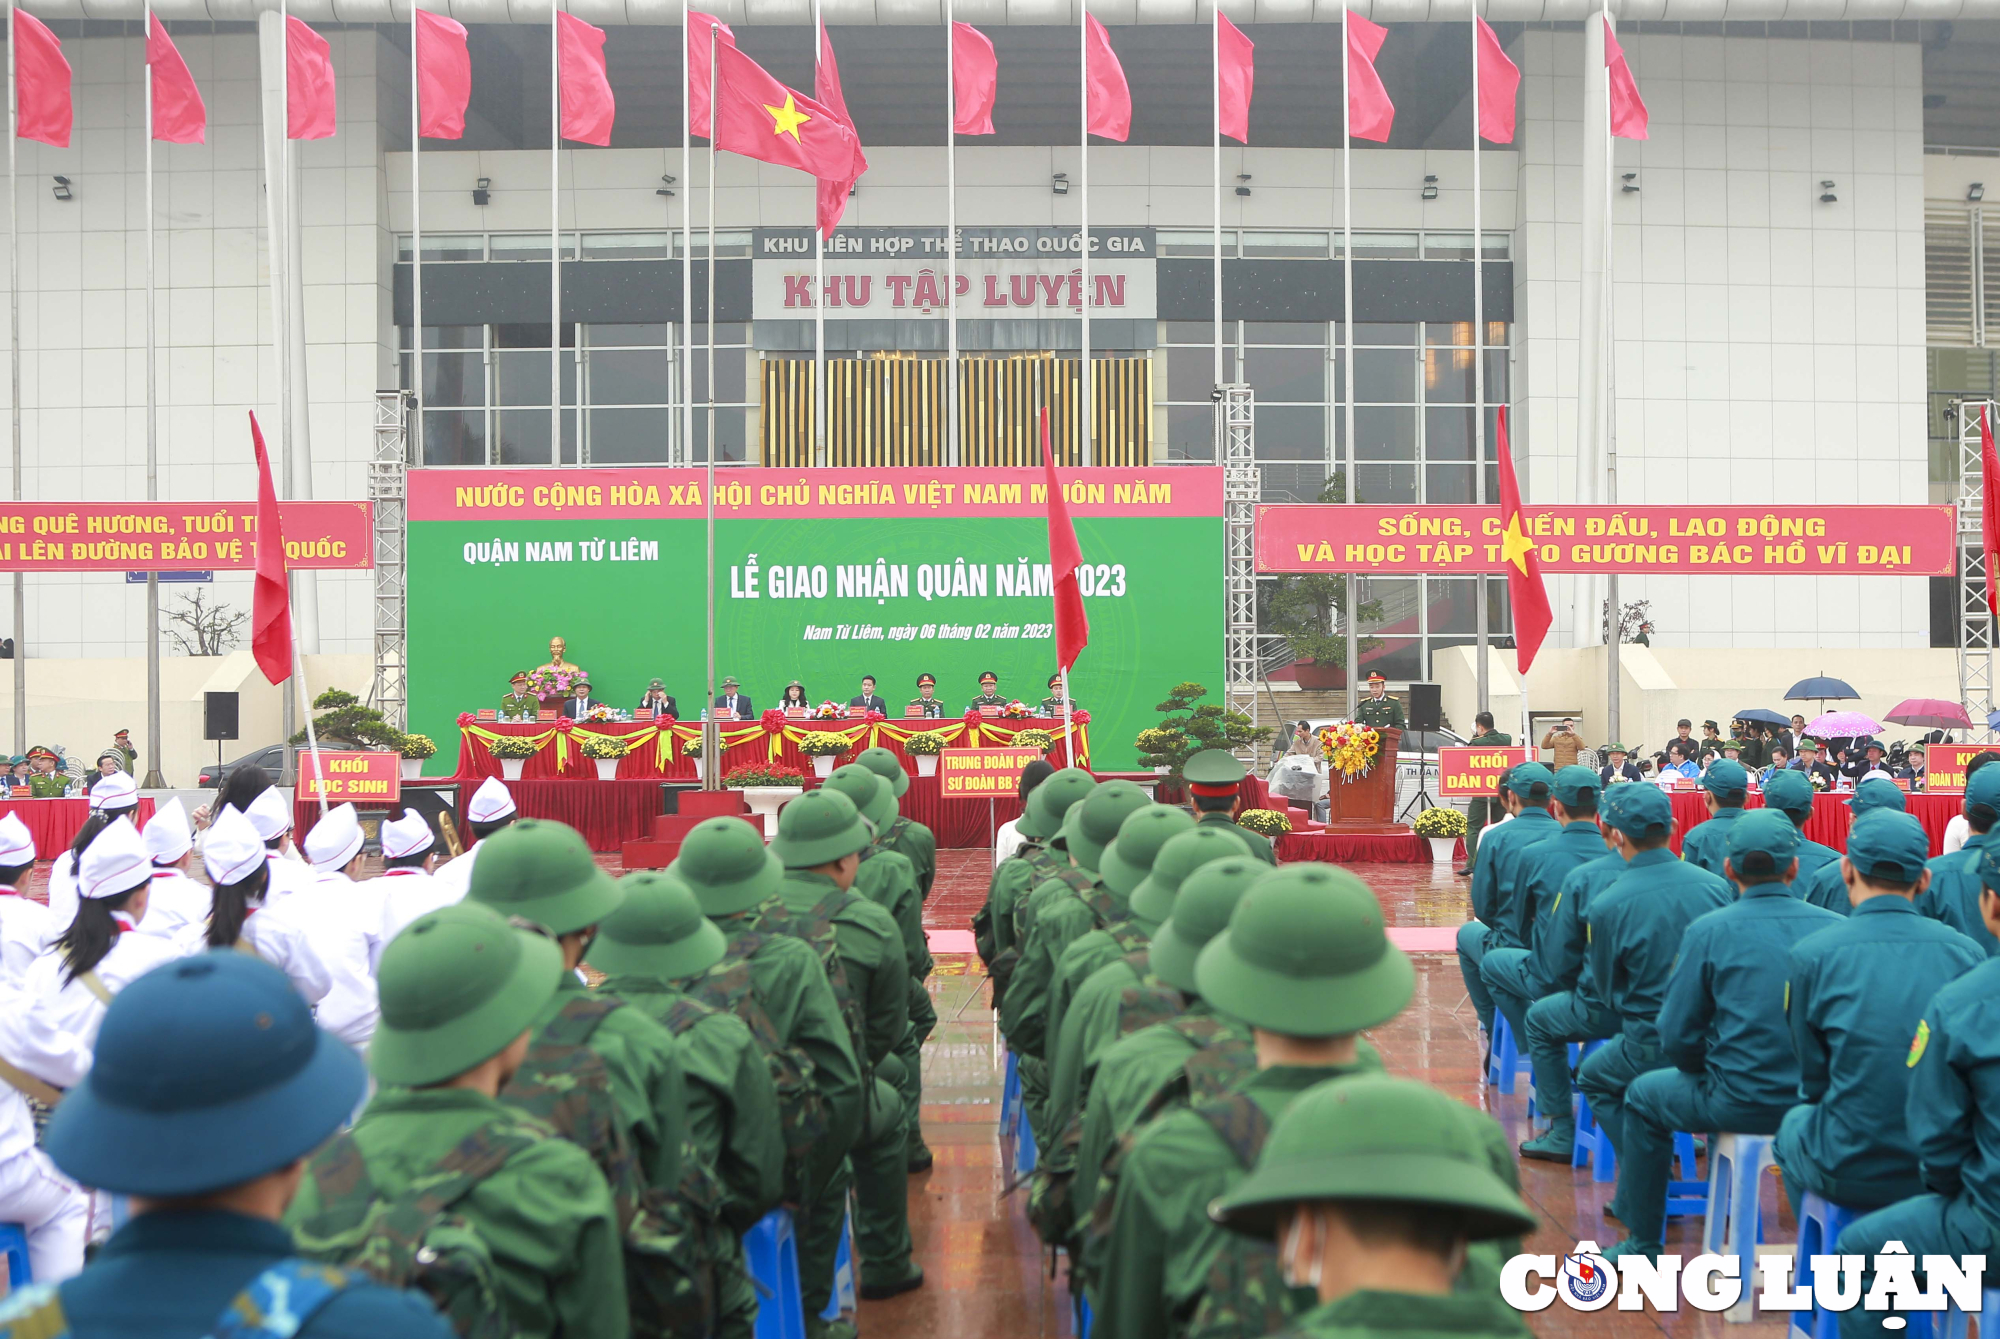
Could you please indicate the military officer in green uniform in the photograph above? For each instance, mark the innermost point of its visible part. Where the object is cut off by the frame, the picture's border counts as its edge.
(1385, 1198)
(121, 744)
(519, 704)
(1726, 784)
(1378, 708)
(47, 783)
(1307, 964)
(899, 832)
(989, 696)
(926, 701)
(460, 993)
(1052, 705)
(1214, 782)
(218, 1058)
(1481, 811)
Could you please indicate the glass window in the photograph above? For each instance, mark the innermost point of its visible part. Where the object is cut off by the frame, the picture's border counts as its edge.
(1448, 333)
(728, 245)
(629, 376)
(1291, 483)
(1448, 376)
(1190, 432)
(522, 378)
(1448, 484)
(1191, 371)
(1386, 484)
(621, 336)
(1385, 433)
(446, 337)
(732, 442)
(446, 246)
(455, 437)
(1447, 246)
(1291, 432)
(1496, 374)
(726, 332)
(628, 245)
(1287, 245)
(1390, 602)
(454, 379)
(1451, 605)
(531, 336)
(630, 436)
(1311, 333)
(1287, 375)
(1403, 333)
(1385, 376)
(1448, 434)
(524, 437)
(1383, 246)
(729, 377)
(529, 246)
(1184, 245)
(1195, 332)
(1398, 658)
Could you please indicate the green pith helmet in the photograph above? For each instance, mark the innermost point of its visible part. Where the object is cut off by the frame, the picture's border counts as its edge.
(1202, 909)
(889, 767)
(1042, 816)
(1306, 955)
(542, 871)
(1128, 860)
(456, 988)
(872, 796)
(725, 863)
(819, 827)
(1092, 824)
(660, 931)
(1153, 899)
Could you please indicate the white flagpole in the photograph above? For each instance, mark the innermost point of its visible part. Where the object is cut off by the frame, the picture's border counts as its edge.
(1215, 59)
(711, 730)
(686, 453)
(952, 445)
(1069, 725)
(1613, 625)
(1482, 636)
(14, 363)
(819, 271)
(416, 239)
(154, 780)
(1353, 611)
(1083, 237)
(555, 233)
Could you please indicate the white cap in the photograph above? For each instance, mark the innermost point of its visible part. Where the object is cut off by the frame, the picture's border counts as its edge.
(115, 862)
(335, 839)
(17, 844)
(269, 814)
(405, 836)
(232, 850)
(490, 803)
(117, 791)
(168, 836)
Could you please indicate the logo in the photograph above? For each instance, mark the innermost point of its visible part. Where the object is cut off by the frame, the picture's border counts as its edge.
(1918, 1042)
(1587, 1281)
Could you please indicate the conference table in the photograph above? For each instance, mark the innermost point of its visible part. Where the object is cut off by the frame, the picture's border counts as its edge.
(54, 823)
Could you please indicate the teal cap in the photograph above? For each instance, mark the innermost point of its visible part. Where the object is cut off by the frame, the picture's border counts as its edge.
(1878, 792)
(1573, 782)
(1523, 779)
(1127, 860)
(1983, 787)
(1637, 810)
(1725, 775)
(1888, 847)
(1790, 791)
(1764, 830)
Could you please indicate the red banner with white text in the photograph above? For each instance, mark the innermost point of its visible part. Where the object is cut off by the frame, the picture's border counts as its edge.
(177, 536)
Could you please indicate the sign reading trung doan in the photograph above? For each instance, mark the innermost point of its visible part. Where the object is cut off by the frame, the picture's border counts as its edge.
(982, 774)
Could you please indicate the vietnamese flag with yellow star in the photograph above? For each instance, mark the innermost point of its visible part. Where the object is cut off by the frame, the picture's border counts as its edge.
(760, 118)
(1525, 591)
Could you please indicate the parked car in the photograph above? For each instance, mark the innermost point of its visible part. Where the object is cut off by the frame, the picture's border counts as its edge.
(271, 758)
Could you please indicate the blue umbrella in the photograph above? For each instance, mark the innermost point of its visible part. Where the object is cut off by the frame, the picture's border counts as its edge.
(1762, 717)
(1993, 720)
(1820, 688)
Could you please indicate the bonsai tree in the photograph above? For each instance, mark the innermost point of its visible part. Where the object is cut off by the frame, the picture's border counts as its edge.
(1305, 610)
(1188, 729)
(344, 722)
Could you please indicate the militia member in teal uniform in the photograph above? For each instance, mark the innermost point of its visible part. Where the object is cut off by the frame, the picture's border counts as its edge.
(519, 704)
(1215, 785)
(1396, 1205)
(216, 1058)
(1728, 1051)
(1857, 991)
(1480, 812)
(1791, 794)
(1827, 888)
(1953, 894)
(926, 701)
(989, 695)
(1953, 1116)
(47, 783)
(1052, 705)
(1727, 785)
(1378, 708)
(1496, 886)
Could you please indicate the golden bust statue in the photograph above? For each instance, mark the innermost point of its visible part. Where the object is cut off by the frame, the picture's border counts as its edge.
(556, 648)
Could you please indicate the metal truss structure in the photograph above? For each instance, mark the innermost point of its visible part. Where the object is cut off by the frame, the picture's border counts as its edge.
(1235, 433)
(388, 491)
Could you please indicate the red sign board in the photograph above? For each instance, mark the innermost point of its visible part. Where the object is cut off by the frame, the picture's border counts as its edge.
(174, 536)
(370, 779)
(1474, 773)
(1944, 766)
(1809, 540)
(982, 774)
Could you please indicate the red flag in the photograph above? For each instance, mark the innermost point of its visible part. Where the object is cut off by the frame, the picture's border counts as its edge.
(1989, 498)
(1499, 83)
(1110, 98)
(444, 76)
(699, 25)
(587, 105)
(1525, 591)
(760, 118)
(1072, 624)
(178, 114)
(1628, 109)
(41, 82)
(308, 83)
(1369, 111)
(975, 80)
(831, 200)
(271, 601)
(1235, 76)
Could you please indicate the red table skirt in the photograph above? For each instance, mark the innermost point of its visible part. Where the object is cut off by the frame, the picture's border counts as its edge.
(1339, 849)
(1831, 817)
(607, 813)
(54, 823)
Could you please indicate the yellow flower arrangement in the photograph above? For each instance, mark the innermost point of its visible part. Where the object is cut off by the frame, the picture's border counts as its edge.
(1350, 747)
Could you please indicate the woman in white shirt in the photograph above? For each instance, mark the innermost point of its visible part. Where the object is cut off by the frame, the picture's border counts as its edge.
(27, 929)
(116, 796)
(238, 918)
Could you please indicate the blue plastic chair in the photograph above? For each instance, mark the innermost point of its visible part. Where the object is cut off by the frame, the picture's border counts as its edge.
(1820, 1225)
(1736, 1164)
(1689, 1195)
(1506, 1061)
(14, 1246)
(1024, 1144)
(1083, 1318)
(1010, 1094)
(770, 1249)
(844, 1297)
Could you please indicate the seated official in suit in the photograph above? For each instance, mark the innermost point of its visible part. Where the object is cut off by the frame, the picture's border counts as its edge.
(579, 703)
(659, 702)
(866, 697)
(731, 700)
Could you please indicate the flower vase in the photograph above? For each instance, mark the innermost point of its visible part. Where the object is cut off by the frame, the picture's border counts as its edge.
(1444, 850)
(823, 764)
(510, 768)
(700, 767)
(607, 768)
(927, 764)
(765, 801)
(413, 768)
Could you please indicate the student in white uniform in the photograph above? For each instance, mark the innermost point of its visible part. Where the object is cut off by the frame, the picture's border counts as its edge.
(53, 1210)
(239, 867)
(345, 919)
(116, 796)
(271, 816)
(491, 809)
(27, 929)
(176, 901)
(408, 890)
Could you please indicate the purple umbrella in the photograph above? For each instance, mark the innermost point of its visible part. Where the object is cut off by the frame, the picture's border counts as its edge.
(1843, 725)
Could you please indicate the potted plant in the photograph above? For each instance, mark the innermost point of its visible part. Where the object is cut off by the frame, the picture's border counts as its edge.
(1443, 828)
(513, 751)
(925, 747)
(605, 751)
(1267, 821)
(1035, 739)
(415, 749)
(1188, 729)
(693, 750)
(824, 747)
(766, 788)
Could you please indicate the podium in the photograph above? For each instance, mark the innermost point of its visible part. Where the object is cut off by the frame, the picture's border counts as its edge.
(1366, 806)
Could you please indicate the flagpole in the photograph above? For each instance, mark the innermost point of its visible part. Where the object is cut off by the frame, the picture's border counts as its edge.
(1353, 611)
(1083, 234)
(277, 208)
(951, 442)
(14, 362)
(154, 780)
(686, 454)
(711, 729)
(1480, 630)
(555, 231)
(416, 239)
(819, 269)
(1215, 61)
(1613, 624)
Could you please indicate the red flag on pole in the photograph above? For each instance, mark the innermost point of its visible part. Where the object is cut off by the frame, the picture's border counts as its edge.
(271, 601)
(1235, 77)
(444, 76)
(178, 114)
(41, 83)
(1370, 113)
(308, 83)
(1989, 499)
(831, 201)
(1499, 85)
(587, 105)
(1628, 109)
(1525, 591)
(1072, 624)
(699, 25)
(760, 118)
(1110, 97)
(975, 80)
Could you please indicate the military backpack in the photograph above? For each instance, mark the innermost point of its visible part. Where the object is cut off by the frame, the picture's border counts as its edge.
(1245, 1294)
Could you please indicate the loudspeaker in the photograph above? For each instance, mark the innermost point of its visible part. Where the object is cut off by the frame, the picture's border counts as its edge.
(1426, 707)
(218, 716)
